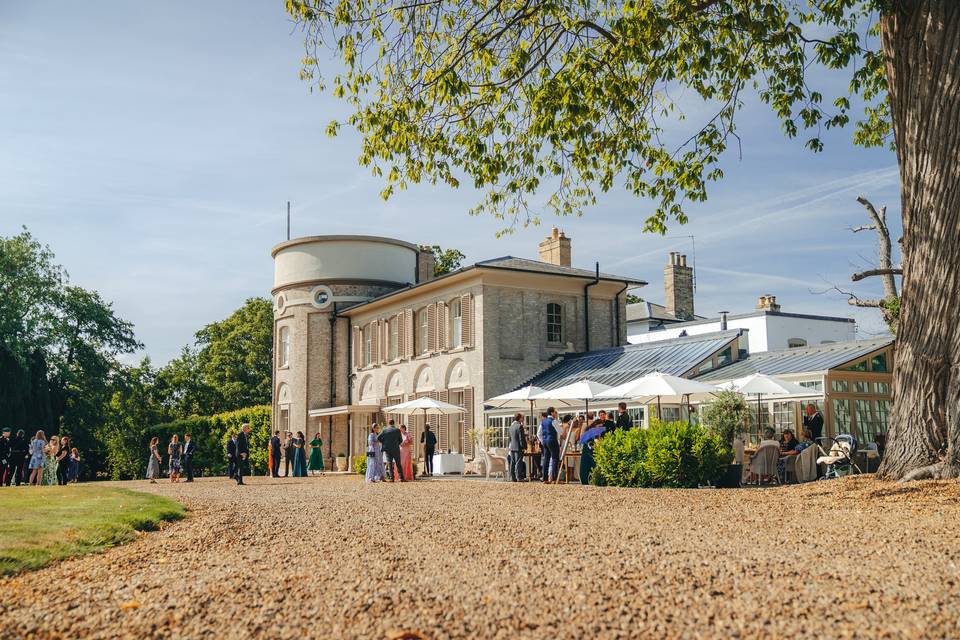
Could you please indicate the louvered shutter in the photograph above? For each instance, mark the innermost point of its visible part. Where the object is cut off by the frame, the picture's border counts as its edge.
(466, 319)
(384, 340)
(409, 332)
(442, 326)
(374, 342)
(432, 328)
(401, 335)
(467, 421)
(443, 431)
(357, 347)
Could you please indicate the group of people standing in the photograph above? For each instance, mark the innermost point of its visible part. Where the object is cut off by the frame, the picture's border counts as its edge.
(293, 450)
(544, 450)
(179, 458)
(390, 453)
(38, 461)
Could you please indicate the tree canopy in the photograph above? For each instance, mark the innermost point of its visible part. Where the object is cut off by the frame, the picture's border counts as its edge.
(445, 260)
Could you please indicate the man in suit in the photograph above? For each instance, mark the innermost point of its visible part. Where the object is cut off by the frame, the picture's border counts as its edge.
(518, 444)
(19, 454)
(288, 451)
(608, 424)
(232, 456)
(275, 454)
(550, 444)
(390, 439)
(429, 441)
(814, 421)
(624, 421)
(189, 448)
(243, 451)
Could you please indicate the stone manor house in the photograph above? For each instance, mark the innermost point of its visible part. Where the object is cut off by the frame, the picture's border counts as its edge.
(361, 323)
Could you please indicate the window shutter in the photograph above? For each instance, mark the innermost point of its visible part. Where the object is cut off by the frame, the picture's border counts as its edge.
(443, 431)
(401, 336)
(384, 336)
(410, 330)
(357, 347)
(432, 328)
(467, 422)
(466, 319)
(374, 342)
(442, 326)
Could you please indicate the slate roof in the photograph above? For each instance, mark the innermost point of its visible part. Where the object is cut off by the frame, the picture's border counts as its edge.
(621, 364)
(800, 360)
(645, 310)
(534, 266)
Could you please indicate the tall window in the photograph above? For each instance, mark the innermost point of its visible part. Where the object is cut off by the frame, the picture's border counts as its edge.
(393, 348)
(284, 346)
(422, 331)
(367, 345)
(554, 322)
(456, 324)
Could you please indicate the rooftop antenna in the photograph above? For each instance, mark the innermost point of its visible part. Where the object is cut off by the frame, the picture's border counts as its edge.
(288, 221)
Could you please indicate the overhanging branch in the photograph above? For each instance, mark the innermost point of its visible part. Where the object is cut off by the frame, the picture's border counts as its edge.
(893, 271)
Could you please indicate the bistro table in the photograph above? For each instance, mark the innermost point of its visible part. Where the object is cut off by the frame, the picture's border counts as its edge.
(446, 463)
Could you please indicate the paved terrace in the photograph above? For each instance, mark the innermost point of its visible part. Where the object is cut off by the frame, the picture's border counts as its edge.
(334, 558)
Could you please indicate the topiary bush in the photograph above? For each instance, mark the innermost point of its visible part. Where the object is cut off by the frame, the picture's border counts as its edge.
(668, 454)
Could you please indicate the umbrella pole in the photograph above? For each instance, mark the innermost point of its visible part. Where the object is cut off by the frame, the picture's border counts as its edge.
(659, 410)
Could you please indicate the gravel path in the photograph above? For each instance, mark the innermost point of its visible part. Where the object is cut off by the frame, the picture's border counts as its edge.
(334, 558)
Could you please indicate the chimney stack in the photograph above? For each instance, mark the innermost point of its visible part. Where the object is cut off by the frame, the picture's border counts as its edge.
(678, 287)
(723, 320)
(768, 303)
(555, 249)
(425, 264)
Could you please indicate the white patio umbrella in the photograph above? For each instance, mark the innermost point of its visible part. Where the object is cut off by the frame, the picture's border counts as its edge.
(427, 406)
(523, 398)
(760, 384)
(582, 391)
(662, 386)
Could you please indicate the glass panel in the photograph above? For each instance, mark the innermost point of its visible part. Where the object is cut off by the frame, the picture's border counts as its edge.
(554, 328)
(879, 363)
(882, 389)
(840, 386)
(859, 366)
(725, 356)
(841, 416)
(783, 415)
(861, 387)
(456, 325)
(705, 366)
(394, 338)
(872, 418)
(815, 385)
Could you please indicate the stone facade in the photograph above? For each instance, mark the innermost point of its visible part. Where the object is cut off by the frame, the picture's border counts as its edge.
(678, 287)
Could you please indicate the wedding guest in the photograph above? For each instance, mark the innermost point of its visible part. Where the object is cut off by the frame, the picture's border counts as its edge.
(243, 452)
(624, 421)
(316, 455)
(275, 447)
(374, 456)
(232, 457)
(73, 473)
(63, 461)
(406, 453)
(299, 456)
(4, 455)
(518, 443)
(50, 464)
(19, 458)
(390, 443)
(551, 446)
(174, 450)
(153, 462)
(38, 458)
(536, 459)
(429, 441)
(189, 448)
(288, 452)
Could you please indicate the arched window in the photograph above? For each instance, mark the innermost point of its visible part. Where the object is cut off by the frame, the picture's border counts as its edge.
(284, 346)
(554, 322)
(794, 343)
(456, 324)
(422, 331)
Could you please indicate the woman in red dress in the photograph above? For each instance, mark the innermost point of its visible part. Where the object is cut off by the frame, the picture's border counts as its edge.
(406, 451)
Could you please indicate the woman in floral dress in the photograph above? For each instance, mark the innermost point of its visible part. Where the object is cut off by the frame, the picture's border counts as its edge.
(50, 467)
(153, 462)
(174, 450)
(374, 456)
(38, 458)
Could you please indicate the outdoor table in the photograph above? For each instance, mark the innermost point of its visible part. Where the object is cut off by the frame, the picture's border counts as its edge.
(444, 463)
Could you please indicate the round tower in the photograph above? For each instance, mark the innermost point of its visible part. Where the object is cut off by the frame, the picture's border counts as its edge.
(314, 278)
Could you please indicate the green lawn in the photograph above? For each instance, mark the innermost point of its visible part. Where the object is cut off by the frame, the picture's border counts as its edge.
(39, 525)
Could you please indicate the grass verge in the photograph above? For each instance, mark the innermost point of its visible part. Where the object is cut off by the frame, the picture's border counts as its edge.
(39, 525)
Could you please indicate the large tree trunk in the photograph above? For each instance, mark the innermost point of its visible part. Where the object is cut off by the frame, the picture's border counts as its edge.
(921, 39)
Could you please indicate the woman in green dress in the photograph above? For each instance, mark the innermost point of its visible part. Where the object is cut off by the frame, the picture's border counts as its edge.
(316, 455)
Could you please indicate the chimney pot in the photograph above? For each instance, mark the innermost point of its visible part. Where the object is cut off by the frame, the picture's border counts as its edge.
(556, 248)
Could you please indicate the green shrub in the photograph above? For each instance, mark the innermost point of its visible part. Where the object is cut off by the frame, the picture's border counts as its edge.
(668, 454)
(727, 415)
(360, 465)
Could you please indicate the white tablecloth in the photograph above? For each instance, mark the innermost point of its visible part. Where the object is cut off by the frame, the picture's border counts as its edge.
(444, 463)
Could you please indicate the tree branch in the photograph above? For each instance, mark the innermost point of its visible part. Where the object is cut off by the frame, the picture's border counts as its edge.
(866, 227)
(593, 25)
(892, 271)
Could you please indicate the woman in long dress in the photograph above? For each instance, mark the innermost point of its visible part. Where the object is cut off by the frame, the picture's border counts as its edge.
(38, 458)
(316, 455)
(153, 462)
(374, 456)
(299, 456)
(174, 450)
(406, 449)
(50, 467)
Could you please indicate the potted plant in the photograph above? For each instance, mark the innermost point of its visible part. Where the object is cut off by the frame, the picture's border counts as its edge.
(341, 462)
(727, 416)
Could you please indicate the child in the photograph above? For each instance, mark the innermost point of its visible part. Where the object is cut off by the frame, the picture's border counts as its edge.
(73, 472)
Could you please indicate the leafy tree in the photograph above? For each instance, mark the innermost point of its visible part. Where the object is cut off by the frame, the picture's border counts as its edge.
(30, 295)
(726, 415)
(573, 96)
(633, 298)
(445, 260)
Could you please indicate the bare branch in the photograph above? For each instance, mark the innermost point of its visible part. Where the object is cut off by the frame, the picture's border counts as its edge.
(866, 227)
(892, 271)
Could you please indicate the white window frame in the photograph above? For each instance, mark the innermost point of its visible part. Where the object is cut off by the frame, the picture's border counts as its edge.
(284, 346)
(393, 348)
(367, 345)
(558, 323)
(423, 331)
(456, 324)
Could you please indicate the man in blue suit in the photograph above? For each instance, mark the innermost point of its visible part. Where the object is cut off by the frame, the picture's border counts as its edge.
(550, 445)
(275, 454)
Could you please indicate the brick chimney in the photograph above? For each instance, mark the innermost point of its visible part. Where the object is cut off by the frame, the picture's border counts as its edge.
(425, 262)
(555, 249)
(678, 287)
(768, 303)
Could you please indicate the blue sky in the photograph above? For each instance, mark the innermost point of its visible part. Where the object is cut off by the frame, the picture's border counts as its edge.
(154, 145)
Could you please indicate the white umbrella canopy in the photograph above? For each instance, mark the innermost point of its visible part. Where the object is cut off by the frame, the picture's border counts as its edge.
(762, 384)
(662, 386)
(426, 406)
(521, 398)
(582, 391)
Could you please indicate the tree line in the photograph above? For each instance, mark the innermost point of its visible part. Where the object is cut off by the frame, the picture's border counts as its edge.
(62, 369)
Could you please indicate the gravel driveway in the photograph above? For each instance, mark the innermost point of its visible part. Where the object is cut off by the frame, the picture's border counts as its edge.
(334, 558)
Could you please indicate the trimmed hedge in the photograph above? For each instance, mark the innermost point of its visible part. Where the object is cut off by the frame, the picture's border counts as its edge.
(668, 454)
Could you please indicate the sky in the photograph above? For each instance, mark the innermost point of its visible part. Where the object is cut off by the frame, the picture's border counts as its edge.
(154, 145)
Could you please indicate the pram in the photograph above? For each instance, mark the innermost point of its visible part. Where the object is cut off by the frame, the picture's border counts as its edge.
(840, 459)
